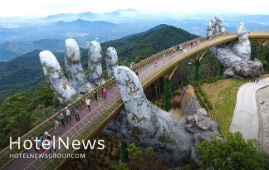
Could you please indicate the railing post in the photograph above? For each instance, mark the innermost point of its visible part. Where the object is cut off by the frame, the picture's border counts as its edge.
(124, 153)
(167, 94)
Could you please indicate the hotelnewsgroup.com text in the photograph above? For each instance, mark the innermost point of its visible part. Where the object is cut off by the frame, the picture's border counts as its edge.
(47, 155)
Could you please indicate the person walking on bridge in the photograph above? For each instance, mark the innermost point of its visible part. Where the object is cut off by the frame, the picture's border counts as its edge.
(67, 114)
(88, 103)
(77, 114)
(61, 116)
(102, 90)
(136, 72)
(56, 125)
(104, 93)
(95, 95)
(180, 47)
(191, 43)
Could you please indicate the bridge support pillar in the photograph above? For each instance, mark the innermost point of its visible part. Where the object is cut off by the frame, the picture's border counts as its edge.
(198, 59)
(167, 94)
(124, 153)
(262, 44)
(197, 70)
(261, 52)
(167, 89)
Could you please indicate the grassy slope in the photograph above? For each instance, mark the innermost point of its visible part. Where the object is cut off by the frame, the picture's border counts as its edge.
(222, 95)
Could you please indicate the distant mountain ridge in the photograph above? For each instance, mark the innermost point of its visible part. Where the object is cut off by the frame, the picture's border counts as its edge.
(63, 16)
(81, 30)
(88, 26)
(25, 72)
(10, 50)
(122, 15)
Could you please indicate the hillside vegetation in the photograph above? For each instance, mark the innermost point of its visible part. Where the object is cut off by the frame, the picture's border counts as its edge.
(144, 44)
(222, 95)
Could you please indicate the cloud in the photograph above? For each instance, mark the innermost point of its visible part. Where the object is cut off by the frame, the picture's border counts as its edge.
(48, 7)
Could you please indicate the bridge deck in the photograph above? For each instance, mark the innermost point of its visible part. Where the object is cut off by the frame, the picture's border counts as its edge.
(103, 111)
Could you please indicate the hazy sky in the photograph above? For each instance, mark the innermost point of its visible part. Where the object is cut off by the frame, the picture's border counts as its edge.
(48, 7)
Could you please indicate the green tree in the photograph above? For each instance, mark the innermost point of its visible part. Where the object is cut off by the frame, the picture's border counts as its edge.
(234, 153)
(148, 51)
(43, 95)
(21, 123)
(139, 155)
(15, 104)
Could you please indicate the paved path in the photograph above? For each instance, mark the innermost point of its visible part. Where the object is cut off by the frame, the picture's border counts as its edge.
(246, 118)
(263, 109)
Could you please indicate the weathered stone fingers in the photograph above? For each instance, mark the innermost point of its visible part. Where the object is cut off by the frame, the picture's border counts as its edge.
(242, 48)
(225, 53)
(55, 76)
(73, 66)
(111, 60)
(94, 63)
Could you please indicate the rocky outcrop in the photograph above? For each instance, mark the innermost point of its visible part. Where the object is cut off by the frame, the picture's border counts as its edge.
(189, 104)
(197, 121)
(245, 69)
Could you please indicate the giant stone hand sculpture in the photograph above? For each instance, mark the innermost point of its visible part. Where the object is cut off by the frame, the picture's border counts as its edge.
(147, 125)
(67, 89)
(236, 57)
(141, 121)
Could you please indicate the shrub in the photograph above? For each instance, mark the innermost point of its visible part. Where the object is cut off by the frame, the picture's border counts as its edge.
(234, 153)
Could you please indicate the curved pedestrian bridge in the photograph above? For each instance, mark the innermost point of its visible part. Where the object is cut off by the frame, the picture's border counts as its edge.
(92, 122)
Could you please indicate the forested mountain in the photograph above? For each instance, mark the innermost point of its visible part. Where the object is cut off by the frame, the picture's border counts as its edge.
(22, 74)
(149, 42)
(25, 72)
(10, 50)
